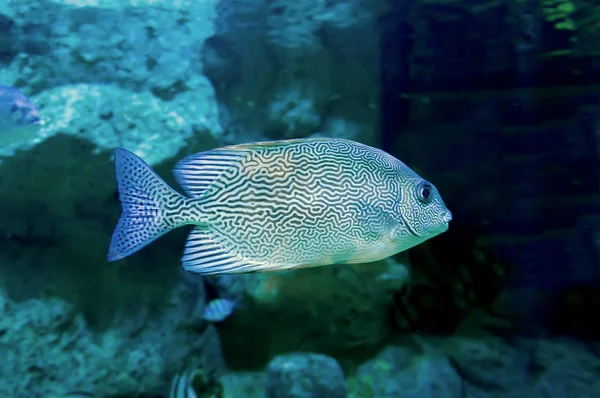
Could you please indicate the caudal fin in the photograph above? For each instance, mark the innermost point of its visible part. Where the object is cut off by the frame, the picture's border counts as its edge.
(144, 197)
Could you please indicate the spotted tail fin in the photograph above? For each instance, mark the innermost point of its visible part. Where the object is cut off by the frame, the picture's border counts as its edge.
(147, 203)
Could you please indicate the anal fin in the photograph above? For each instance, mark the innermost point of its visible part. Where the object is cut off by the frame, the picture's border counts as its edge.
(206, 254)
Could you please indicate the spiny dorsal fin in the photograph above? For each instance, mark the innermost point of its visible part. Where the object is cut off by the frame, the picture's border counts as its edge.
(196, 173)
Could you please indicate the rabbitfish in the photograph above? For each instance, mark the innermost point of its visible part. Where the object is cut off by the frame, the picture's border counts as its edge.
(278, 205)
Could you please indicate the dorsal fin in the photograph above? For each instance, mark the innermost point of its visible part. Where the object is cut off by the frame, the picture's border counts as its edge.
(196, 173)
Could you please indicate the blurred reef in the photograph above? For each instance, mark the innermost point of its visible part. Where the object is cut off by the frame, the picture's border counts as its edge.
(497, 102)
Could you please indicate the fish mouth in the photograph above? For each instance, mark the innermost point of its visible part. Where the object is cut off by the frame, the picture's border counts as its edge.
(447, 217)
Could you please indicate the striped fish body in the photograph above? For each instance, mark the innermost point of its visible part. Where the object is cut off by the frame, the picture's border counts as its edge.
(279, 205)
(218, 310)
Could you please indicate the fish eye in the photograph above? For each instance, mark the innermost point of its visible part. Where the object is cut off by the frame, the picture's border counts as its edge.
(425, 192)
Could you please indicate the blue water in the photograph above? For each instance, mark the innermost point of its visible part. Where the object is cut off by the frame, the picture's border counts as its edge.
(497, 104)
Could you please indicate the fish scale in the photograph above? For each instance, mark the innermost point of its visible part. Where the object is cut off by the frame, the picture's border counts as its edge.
(279, 205)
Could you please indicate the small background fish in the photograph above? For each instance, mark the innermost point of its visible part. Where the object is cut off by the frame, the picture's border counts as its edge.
(195, 384)
(19, 117)
(218, 310)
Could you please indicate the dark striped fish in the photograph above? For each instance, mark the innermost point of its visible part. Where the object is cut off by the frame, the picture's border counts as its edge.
(279, 205)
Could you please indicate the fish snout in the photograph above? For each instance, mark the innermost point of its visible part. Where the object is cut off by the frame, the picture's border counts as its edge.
(447, 217)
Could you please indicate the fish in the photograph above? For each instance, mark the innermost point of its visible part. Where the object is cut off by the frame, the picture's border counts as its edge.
(194, 383)
(278, 205)
(219, 309)
(182, 385)
(19, 117)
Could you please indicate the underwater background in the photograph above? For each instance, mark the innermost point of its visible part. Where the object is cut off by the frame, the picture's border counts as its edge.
(496, 102)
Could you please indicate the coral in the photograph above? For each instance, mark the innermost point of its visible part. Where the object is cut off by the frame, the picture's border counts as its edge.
(244, 384)
(48, 349)
(118, 76)
(294, 26)
(407, 371)
(300, 375)
(130, 73)
(139, 47)
(288, 66)
(110, 117)
(296, 112)
(488, 360)
(567, 369)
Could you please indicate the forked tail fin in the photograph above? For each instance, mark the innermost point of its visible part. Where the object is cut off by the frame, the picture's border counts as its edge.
(147, 206)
